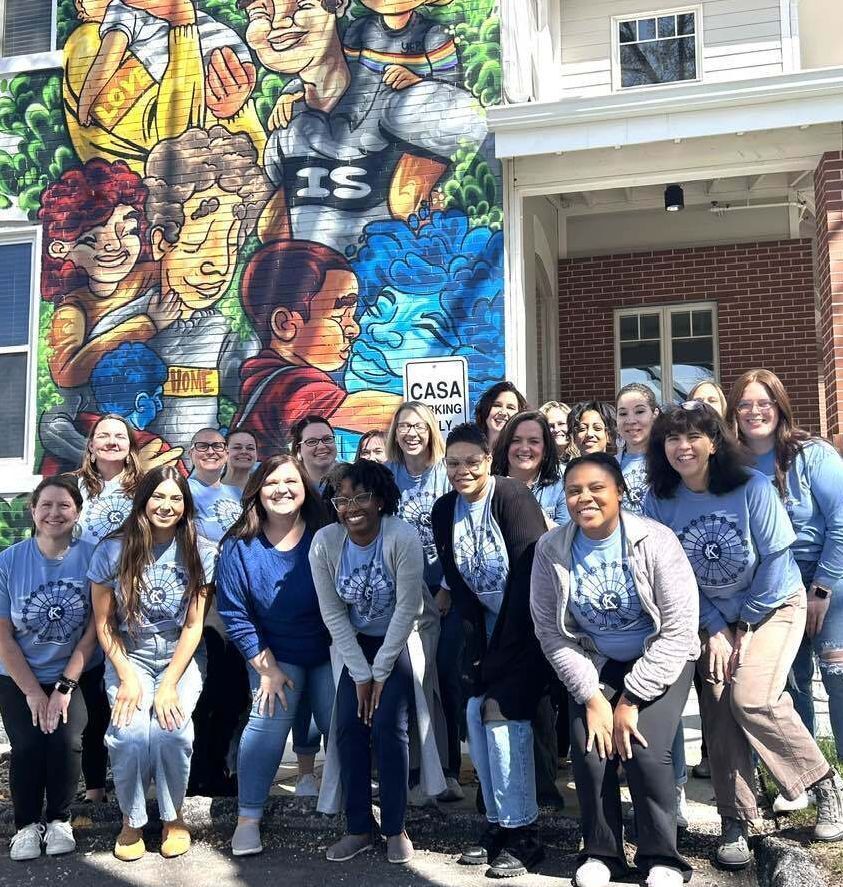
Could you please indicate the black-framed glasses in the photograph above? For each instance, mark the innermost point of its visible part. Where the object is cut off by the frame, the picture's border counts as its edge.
(313, 442)
(202, 446)
(361, 500)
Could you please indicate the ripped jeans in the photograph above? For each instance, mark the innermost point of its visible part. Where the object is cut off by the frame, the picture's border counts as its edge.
(827, 643)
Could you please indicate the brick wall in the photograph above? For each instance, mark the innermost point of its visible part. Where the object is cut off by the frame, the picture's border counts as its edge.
(765, 305)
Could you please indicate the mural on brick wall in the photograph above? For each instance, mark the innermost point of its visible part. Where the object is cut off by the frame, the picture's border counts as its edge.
(256, 209)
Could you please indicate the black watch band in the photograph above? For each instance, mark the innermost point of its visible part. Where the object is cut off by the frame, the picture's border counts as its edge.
(63, 687)
(822, 592)
(743, 625)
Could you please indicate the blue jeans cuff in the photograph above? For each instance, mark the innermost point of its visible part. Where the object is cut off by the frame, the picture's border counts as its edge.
(250, 812)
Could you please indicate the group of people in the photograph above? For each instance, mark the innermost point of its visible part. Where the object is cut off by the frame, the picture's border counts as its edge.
(560, 573)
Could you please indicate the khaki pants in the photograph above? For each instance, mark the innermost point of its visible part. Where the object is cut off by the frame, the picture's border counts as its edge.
(754, 712)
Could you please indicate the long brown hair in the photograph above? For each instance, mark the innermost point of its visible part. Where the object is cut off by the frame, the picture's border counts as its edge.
(136, 552)
(252, 518)
(790, 438)
(89, 474)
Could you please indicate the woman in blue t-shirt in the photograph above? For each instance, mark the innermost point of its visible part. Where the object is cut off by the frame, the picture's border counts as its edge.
(738, 538)
(267, 601)
(47, 640)
(807, 473)
(152, 582)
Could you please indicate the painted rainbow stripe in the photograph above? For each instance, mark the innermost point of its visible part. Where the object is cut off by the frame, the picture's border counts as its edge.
(444, 58)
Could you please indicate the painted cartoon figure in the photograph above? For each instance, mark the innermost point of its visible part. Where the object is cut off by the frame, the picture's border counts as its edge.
(138, 71)
(301, 298)
(129, 382)
(340, 158)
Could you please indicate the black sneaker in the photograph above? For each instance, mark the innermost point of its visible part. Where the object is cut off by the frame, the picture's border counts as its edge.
(523, 851)
(487, 847)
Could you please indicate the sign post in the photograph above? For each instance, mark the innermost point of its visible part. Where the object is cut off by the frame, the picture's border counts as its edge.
(440, 383)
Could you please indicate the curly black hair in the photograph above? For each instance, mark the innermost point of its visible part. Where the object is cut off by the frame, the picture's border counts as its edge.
(603, 460)
(549, 468)
(469, 433)
(727, 465)
(370, 476)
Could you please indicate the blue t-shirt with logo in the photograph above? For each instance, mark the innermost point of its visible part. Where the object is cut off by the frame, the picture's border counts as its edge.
(551, 498)
(418, 493)
(367, 586)
(815, 506)
(726, 538)
(217, 508)
(104, 513)
(603, 600)
(634, 470)
(163, 594)
(48, 602)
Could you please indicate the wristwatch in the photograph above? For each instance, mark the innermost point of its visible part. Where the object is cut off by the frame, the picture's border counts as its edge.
(62, 687)
(744, 626)
(822, 592)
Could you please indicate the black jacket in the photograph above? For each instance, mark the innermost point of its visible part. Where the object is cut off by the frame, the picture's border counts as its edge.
(509, 666)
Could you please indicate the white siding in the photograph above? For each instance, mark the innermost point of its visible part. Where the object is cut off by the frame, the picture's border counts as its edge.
(741, 39)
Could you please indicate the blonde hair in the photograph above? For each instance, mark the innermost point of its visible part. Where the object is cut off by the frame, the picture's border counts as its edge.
(435, 443)
(692, 394)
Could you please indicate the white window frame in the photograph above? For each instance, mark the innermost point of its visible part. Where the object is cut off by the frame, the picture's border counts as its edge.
(16, 474)
(616, 47)
(35, 61)
(665, 331)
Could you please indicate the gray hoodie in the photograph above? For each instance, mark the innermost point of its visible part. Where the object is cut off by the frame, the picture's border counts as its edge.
(668, 591)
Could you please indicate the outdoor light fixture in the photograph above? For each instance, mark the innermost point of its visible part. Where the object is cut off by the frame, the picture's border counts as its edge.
(674, 198)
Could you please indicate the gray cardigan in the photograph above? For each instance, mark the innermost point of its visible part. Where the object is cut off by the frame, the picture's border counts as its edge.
(668, 591)
(404, 558)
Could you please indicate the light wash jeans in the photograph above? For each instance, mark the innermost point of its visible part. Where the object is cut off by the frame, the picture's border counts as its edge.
(502, 753)
(144, 752)
(264, 738)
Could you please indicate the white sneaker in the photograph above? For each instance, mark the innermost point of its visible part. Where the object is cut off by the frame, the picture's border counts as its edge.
(664, 876)
(59, 838)
(782, 805)
(26, 843)
(681, 809)
(417, 798)
(453, 792)
(307, 786)
(593, 873)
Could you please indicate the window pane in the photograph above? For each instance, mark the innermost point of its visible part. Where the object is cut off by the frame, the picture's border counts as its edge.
(693, 361)
(650, 326)
(13, 407)
(626, 32)
(667, 26)
(15, 288)
(680, 323)
(685, 23)
(629, 328)
(27, 26)
(650, 376)
(660, 61)
(647, 29)
(702, 323)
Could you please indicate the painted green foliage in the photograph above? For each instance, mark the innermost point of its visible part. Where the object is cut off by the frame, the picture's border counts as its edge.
(14, 520)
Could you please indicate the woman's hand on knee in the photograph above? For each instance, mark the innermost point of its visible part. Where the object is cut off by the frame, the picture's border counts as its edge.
(364, 692)
(167, 707)
(128, 700)
(56, 711)
(599, 725)
(37, 702)
(626, 728)
(374, 700)
(719, 651)
(273, 682)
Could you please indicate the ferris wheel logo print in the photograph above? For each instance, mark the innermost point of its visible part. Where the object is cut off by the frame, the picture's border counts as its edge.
(607, 598)
(636, 488)
(55, 610)
(415, 509)
(369, 590)
(485, 562)
(107, 514)
(717, 549)
(163, 594)
(226, 512)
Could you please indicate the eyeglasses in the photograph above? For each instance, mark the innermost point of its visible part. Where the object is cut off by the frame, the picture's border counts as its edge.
(475, 463)
(407, 427)
(745, 407)
(361, 500)
(313, 442)
(202, 446)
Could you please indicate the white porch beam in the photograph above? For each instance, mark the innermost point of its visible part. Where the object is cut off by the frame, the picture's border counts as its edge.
(752, 182)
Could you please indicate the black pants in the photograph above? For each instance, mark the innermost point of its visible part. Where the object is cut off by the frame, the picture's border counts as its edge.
(94, 752)
(649, 774)
(41, 764)
(224, 703)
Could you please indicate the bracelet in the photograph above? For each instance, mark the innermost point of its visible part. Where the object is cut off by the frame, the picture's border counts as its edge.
(69, 681)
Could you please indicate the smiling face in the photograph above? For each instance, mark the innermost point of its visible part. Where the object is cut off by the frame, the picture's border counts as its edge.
(106, 253)
(706, 393)
(289, 36)
(54, 514)
(282, 493)
(165, 507)
(503, 409)
(688, 455)
(526, 450)
(362, 518)
(110, 442)
(558, 421)
(200, 265)
(374, 449)
(590, 435)
(318, 449)
(208, 452)
(469, 469)
(635, 420)
(758, 415)
(242, 450)
(412, 433)
(593, 499)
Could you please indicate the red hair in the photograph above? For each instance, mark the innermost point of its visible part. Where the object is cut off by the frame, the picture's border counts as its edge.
(82, 199)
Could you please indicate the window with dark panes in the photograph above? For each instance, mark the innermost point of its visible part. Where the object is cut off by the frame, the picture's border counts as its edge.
(15, 353)
(27, 26)
(658, 49)
(670, 349)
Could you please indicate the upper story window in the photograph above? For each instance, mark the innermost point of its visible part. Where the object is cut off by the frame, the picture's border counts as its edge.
(657, 49)
(26, 27)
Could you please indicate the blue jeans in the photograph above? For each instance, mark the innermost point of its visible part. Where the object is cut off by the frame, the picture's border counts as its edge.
(144, 751)
(307, 737)
(828, 641)
(680, 772)
(502, 753)
(264, 738)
